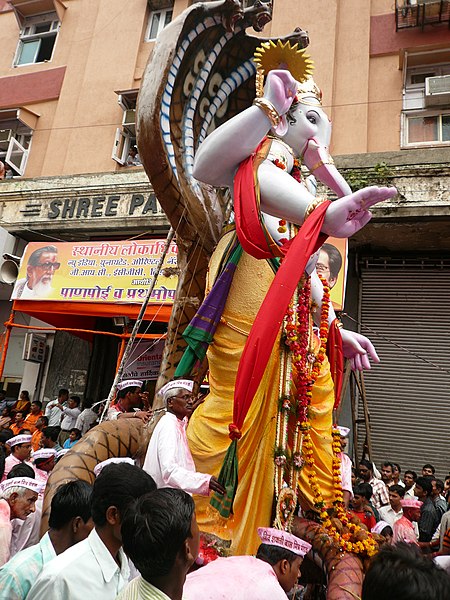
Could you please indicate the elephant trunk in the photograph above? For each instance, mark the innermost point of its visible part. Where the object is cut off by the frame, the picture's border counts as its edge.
(318, 160)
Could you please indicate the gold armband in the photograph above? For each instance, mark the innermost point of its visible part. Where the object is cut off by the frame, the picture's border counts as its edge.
(313, 205)
(269, 110)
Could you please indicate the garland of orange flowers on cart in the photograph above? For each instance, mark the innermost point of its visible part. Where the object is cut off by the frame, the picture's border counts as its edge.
(301, 356)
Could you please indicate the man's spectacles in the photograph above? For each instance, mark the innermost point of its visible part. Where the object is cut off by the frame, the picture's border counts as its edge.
(322, 268)
(49, 265)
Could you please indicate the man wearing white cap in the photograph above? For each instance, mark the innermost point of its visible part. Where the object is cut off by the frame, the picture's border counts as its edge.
(168, 459)
(44, 461)
(112, 461)
(128, 399)
(20, 452)
(269, 576)
(18, 497)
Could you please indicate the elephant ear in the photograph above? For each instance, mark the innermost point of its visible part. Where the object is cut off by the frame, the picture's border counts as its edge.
(200, 74)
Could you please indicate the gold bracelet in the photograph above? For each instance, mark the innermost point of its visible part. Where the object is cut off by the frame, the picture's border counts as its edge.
(269, 110)
(312, 206)
(321, 163)
(339, 324)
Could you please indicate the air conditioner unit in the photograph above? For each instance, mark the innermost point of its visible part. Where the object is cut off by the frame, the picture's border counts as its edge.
(437, 91)
(5, 135)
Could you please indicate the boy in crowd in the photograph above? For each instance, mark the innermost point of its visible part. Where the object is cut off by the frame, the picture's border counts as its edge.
(393, 511)
(97, 567)
(360, 503)
(161, 537)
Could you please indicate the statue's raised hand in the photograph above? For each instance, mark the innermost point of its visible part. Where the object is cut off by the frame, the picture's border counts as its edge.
(358, 349)
(280, 89)
(349, 214)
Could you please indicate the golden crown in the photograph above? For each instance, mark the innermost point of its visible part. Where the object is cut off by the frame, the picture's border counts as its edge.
(279, 55)
(308, 92)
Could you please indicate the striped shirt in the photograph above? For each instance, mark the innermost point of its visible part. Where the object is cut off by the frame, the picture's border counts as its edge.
(18, 575)
(139, 589)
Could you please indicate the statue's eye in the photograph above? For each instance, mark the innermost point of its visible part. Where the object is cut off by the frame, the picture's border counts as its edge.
(312, 118)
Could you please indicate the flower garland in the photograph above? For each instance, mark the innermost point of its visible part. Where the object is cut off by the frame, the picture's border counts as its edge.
(355, 539)
(307, 364)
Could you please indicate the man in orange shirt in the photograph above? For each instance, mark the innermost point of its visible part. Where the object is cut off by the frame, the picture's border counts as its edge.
(34, 414)
(19, 423)
(36, 438)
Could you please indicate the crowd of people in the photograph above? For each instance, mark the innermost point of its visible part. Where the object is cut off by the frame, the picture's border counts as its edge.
(133, 533)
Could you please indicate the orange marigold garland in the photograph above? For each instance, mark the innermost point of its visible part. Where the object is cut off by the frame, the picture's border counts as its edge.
(299, 339)
(298, 352)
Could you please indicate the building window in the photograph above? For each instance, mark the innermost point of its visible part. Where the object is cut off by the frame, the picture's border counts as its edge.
(14, 149)
(124, 149)
(37, 39)
(431, 129)
(426, 105)
(160, 15)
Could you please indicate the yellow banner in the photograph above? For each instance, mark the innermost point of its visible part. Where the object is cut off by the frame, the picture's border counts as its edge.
(96, 272)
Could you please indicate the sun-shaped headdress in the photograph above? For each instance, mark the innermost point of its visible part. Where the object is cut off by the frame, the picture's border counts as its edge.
(279, 55)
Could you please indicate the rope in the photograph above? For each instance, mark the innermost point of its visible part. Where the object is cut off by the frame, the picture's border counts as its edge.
(137, 324)
(383, 337)
(147, 336)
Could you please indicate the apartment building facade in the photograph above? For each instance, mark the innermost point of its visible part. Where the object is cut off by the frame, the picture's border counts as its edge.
(70, 73)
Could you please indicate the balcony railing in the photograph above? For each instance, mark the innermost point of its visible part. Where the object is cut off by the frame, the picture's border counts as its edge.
(420, 13)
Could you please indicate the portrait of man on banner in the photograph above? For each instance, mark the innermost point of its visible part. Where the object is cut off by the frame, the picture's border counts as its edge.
(332, 264)
(41, 267)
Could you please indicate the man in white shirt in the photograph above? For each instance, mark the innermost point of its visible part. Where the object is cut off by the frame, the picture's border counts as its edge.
(52, 412)
(409, 479)
(168, 459)
(393, 511)
(70, 414)
(69, 523)
(97, 567)
(87, 418)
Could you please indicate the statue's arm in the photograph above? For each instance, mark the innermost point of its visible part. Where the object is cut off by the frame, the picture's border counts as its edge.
(220, 154)
(281, 195)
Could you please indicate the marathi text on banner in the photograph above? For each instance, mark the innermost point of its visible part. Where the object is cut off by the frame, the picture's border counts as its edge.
(112, 272)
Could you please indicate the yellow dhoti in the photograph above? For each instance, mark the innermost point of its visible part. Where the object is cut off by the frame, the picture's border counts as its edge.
(208, 427)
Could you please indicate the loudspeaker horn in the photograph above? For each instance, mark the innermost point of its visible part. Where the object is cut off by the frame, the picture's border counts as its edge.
(9, 271)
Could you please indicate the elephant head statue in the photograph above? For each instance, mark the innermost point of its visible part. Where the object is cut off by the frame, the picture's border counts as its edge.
(306, 128)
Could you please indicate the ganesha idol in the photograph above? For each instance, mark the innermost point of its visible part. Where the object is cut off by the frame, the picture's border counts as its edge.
(271, 386)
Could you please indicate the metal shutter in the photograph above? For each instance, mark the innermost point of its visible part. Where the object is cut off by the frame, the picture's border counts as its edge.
(408, 303)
